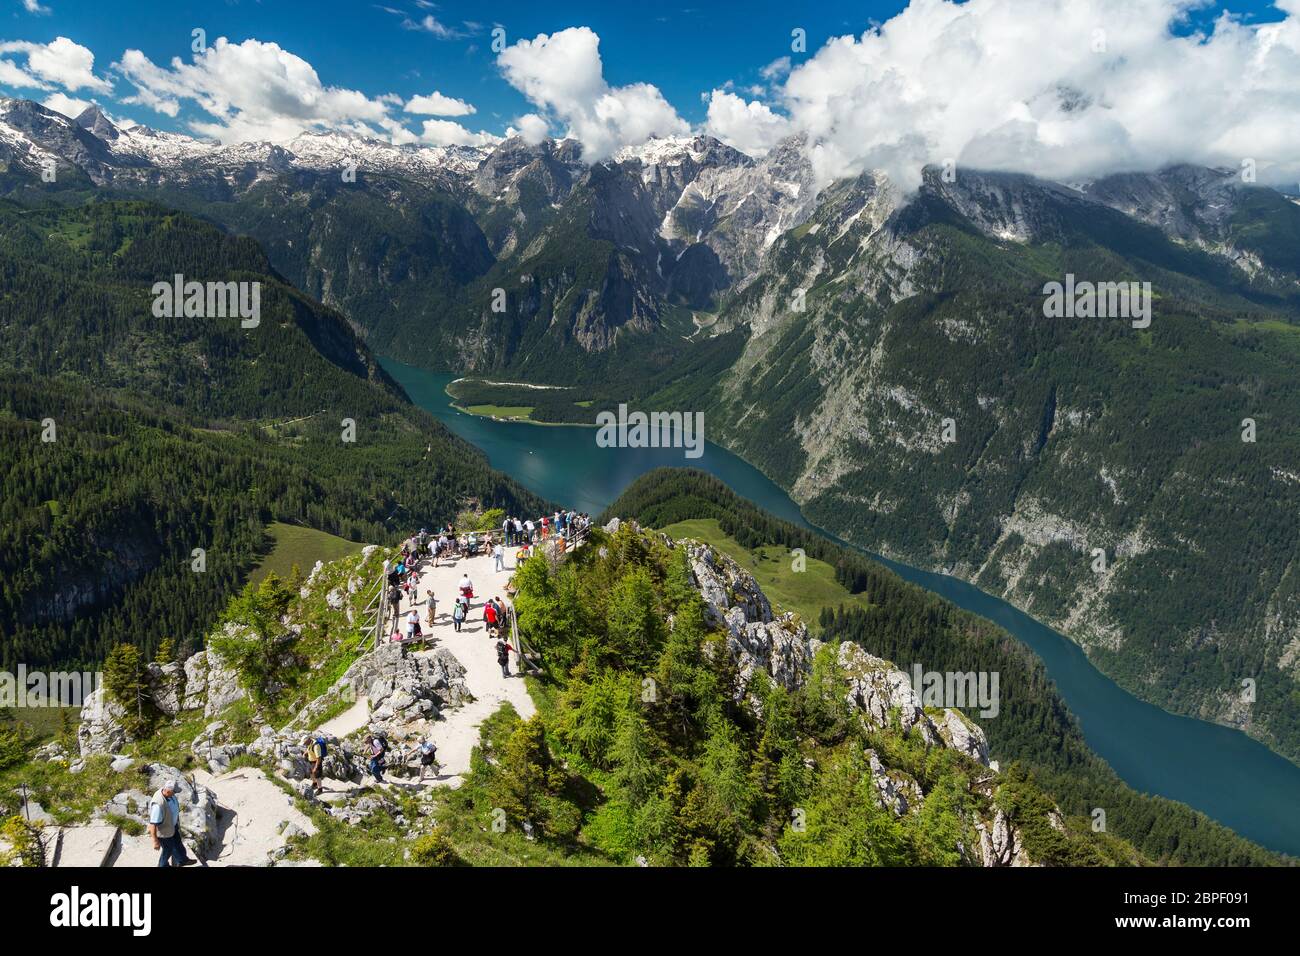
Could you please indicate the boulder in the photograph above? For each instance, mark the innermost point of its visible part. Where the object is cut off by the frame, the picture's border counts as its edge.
(167, 687)
(101, 730)
(129, 803)
(51, 751)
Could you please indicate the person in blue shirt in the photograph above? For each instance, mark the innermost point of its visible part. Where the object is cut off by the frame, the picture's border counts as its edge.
(165, 826)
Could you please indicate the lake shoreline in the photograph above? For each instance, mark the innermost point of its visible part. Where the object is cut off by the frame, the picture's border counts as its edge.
(1155, 751)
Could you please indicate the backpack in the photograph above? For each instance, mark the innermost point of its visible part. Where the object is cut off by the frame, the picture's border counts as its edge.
(503, 652)
(323, 746)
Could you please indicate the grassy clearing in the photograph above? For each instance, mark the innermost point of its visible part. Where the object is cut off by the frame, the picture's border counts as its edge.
(303, 547)
(804, 592)
(45, 723)
(509, 412)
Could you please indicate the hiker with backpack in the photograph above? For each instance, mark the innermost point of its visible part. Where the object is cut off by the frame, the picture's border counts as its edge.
(378, 750)
(412, 624)
(165, 826)
(314, 751)
(503, 655)
(458, 613)
(428, 754)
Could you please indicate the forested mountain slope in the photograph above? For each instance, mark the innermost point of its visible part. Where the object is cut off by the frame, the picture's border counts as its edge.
(903, 623)
(133, 439)
(929, 410)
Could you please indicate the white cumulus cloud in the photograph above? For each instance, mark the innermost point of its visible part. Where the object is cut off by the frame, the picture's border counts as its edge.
(562, 75)
(751, 127)
(69, 106)
(61, 62)
(438, 132)
(531, 127)
(435, 104)
(1064, 89)
(252, 91)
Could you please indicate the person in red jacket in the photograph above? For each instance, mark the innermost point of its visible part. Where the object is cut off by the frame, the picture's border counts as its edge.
(490, 617)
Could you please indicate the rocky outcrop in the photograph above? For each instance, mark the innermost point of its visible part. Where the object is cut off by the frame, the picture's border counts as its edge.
(101, 730)
(756, 640)
(780, 648)
(285, 750)
(898, 792)
(878, 693)
(960, 734)
(167, 687)
(1000, 843)
(725, 585)
(883, 695)
(402, 686)
(210, 684)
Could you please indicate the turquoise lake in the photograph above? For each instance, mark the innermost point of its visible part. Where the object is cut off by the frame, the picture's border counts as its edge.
(1219, 771)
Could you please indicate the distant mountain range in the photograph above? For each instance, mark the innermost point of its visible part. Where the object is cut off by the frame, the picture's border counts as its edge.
(884, 356)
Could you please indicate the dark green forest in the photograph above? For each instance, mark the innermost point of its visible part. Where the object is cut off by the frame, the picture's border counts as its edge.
(173, 434)
(905, 622)
(711, 769)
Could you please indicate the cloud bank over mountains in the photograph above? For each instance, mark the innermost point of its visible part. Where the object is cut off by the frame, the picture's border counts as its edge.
(1063, 89)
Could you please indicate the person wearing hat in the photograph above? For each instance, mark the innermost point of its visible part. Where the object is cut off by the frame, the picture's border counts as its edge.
(165, 826)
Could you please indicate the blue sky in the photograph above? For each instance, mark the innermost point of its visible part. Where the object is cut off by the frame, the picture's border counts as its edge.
(1059, 88)
(683, 49)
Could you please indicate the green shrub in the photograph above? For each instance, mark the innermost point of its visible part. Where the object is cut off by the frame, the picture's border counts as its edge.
(24, 843)
(15, 744)
(434, 849)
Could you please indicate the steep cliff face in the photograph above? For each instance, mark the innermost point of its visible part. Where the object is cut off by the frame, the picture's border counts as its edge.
(1092, 472)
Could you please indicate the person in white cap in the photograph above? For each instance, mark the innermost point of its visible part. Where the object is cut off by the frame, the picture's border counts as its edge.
(165, 824)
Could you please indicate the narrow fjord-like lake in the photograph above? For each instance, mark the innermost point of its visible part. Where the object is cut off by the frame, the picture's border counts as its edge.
(1219, 771)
